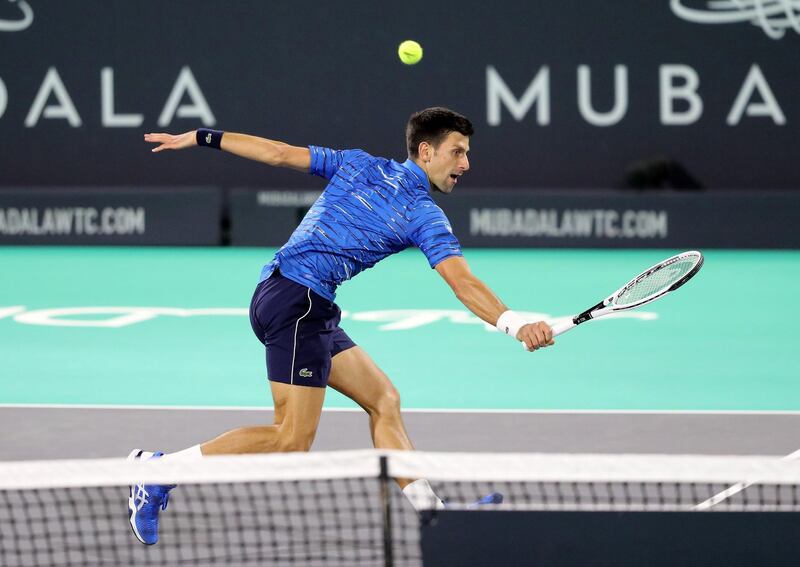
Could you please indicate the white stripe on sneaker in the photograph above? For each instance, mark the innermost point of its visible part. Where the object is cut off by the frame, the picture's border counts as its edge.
(135, 502)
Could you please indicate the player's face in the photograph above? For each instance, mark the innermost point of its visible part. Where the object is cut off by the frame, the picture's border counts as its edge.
(448, 162)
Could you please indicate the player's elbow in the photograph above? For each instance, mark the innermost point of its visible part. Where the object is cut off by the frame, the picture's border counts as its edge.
(460, 292)
(274, 154)
(292, 157)
(464, 288)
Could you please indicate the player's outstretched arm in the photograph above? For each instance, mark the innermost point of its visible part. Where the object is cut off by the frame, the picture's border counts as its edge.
(478, 298)
(271, 152)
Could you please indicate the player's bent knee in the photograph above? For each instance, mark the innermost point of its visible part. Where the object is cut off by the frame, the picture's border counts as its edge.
(296, 445)
(388, 403)
(291, 440)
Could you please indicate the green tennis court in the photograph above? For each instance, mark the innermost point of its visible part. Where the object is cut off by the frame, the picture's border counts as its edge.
(168, 327)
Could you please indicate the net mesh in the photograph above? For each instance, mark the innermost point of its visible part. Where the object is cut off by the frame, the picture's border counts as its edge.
(655, 281)
(306, 522)
(328, 508)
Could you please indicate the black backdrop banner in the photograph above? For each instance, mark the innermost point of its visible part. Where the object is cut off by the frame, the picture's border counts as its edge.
(564, 219)
(563, 93)
(165, 216)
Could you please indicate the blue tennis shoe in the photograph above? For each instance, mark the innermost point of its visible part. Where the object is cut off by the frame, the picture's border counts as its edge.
(489, 499)
(146, 501)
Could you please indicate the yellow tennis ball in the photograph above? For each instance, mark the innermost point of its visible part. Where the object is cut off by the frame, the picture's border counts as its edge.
(410, 52)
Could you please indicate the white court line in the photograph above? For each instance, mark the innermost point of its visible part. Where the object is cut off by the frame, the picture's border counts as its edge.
(738, 487)
(409, 410)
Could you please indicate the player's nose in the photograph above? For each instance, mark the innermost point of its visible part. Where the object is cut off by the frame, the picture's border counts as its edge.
(465, 163)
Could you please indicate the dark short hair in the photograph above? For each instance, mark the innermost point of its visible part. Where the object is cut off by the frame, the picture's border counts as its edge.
(432, 125)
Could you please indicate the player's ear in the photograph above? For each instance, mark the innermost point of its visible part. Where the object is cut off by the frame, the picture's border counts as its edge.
(424, 151)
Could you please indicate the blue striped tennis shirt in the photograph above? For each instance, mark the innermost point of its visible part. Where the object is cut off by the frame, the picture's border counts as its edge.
(371, 208)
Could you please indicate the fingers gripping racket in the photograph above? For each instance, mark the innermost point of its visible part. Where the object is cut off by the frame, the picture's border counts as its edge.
(653, 283)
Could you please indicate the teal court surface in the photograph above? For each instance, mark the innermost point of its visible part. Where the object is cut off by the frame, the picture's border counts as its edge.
(169, 327)
(105, 349)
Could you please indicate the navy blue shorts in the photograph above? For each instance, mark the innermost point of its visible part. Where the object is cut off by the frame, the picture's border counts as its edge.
(300, 329)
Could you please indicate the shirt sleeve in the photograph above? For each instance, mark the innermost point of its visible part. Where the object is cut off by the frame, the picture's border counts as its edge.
(431, 233)
(325, 162)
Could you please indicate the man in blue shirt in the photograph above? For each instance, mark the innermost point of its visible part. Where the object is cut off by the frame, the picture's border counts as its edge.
(371, 208)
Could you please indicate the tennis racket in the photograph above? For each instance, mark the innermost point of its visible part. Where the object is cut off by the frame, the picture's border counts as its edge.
(663, 278)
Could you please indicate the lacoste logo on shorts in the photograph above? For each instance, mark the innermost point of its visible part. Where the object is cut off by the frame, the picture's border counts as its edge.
(306, 373)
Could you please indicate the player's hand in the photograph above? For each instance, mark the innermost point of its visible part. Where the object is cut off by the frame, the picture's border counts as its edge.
(172, 142)
(535, 336)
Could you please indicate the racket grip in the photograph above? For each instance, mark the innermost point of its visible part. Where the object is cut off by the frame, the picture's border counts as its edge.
(558, 329)
(562, 327)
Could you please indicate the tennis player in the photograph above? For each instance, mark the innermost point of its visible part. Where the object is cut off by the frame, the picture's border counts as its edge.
(371, 208)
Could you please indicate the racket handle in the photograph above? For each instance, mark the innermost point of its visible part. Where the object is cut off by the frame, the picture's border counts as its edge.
(558, 329)
(562, 327)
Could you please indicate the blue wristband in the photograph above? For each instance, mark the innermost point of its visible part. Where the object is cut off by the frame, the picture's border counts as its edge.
(209, 138)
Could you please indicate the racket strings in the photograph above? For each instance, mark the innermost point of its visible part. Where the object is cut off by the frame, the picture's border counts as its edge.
(655, 281)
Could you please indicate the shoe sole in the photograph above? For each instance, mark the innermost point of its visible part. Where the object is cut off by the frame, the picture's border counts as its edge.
(134, 455)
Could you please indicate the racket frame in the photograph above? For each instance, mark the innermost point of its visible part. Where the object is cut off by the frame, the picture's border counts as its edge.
(607, 305)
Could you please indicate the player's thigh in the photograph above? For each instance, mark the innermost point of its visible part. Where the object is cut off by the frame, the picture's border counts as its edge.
(297, 408)
(355, 374)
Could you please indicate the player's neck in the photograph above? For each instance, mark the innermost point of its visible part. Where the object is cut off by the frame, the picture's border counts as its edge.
(424, 167)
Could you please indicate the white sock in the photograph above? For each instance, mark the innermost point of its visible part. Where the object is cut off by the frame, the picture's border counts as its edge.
(422, 496)
(190, 454)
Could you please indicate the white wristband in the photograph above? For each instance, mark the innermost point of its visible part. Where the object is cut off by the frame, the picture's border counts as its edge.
(510, 322)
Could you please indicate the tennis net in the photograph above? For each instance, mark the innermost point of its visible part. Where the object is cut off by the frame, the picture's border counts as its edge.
(343, 508)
